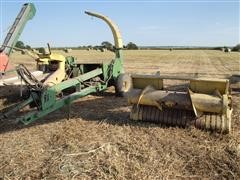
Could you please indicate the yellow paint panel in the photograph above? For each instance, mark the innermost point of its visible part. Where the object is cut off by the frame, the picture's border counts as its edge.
(208, 86)
(142, 82)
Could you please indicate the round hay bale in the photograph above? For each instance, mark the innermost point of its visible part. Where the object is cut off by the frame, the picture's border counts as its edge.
(227, 50)
(103, 49)
(43, 50)
(67, 50)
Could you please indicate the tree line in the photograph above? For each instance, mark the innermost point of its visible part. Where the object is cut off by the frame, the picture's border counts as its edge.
(130, 46)
(104, 44)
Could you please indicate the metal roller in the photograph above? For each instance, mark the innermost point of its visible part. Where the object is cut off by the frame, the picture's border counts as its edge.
(181, 118)
(214, 122)
(168, 116)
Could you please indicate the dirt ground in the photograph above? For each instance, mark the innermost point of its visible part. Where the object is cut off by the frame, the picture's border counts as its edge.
(100, 142)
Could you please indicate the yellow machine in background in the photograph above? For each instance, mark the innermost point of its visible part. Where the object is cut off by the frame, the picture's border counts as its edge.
(53, 64)
(50, 68)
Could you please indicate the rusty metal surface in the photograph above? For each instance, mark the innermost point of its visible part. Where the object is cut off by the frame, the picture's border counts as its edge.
(168, 116)
(214, 122)
(181, 118)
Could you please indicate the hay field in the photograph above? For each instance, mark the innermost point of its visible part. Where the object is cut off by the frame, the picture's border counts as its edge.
(203, 62)
(100, 142)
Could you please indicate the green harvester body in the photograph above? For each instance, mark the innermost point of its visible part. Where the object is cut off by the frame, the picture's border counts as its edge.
(50, 99)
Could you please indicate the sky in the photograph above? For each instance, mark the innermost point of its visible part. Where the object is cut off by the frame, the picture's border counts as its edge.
(146, 23)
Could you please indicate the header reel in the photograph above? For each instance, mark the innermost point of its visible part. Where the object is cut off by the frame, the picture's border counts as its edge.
(206, 104)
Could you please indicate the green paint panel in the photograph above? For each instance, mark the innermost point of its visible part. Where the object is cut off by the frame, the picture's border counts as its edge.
(49, 100)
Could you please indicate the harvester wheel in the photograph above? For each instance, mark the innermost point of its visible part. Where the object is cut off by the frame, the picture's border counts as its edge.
(123, 85)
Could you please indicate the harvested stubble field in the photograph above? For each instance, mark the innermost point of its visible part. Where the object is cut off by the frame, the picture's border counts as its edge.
(99, 140)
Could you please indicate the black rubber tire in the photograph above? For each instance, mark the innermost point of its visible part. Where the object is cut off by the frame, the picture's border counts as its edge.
(123, 85)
